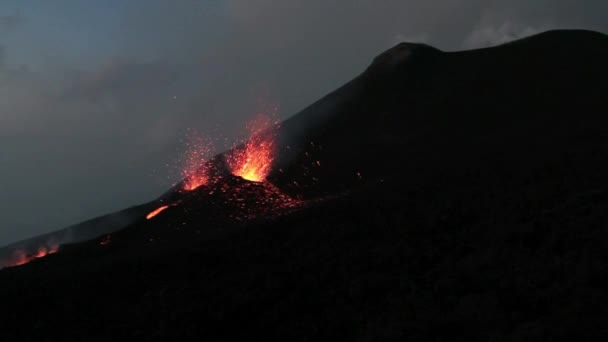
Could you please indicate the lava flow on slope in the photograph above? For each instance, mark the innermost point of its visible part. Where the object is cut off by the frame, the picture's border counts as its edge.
(23, 256)
(157, 211)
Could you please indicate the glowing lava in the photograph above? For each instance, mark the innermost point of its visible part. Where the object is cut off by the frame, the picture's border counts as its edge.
(243, 194)
(193, 182)
(195, 171)
(253, 160)
(22, 257)
(156, 212)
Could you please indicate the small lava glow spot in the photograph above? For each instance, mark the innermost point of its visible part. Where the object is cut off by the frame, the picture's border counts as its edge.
(253, 160)
(106, 240)
(154, 213)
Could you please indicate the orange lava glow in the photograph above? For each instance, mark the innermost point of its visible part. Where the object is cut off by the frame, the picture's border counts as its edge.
(253, 160)
(156, 212)
(195, 172)
(194, 182)
(22, 257)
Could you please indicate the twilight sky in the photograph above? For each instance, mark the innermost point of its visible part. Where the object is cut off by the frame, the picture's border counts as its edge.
(96, 96)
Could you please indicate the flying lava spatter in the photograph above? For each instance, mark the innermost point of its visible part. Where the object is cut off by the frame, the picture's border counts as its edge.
(195, 170)
(253, 160)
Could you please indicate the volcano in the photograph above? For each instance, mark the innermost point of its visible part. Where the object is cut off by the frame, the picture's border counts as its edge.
(436, 196)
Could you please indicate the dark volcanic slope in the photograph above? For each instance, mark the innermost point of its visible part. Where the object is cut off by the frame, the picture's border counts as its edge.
(83, 231)
(457, 195)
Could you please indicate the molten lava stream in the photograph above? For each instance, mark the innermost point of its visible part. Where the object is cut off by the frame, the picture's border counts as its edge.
(155, 212)
(253, 161)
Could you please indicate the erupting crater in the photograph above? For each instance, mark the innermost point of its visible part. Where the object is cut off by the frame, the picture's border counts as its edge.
(239, 192)
(196, 169)
(253, 160)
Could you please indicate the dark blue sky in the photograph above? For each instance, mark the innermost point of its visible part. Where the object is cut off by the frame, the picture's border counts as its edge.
(96, 96)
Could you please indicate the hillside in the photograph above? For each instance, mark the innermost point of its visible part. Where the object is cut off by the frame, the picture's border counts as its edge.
(438, 195)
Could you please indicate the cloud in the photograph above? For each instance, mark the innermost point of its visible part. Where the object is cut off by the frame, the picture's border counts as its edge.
(501, 25)
(122, 77)
(10, 22)
(84, 143)
(496, 35)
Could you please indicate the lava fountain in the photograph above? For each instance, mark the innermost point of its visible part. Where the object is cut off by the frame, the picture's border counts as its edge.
(243, 194)
(253, 160)
(195, 171)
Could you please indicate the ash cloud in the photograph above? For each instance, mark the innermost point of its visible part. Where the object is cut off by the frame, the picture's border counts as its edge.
(10, 22)
(89, 127)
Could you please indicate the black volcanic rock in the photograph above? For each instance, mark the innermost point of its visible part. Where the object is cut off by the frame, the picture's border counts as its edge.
(448, 195)
(80, 232)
